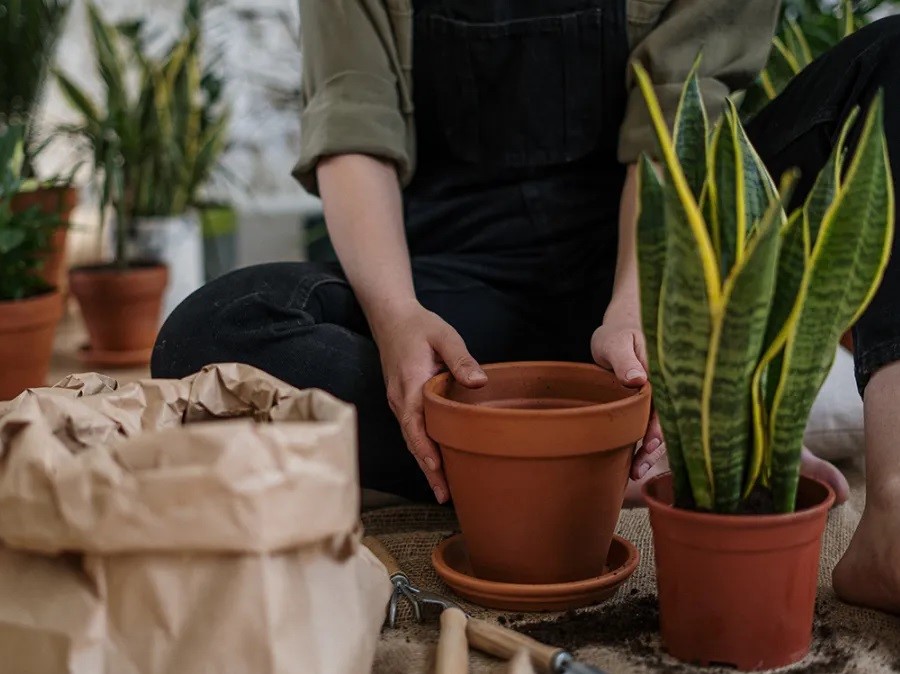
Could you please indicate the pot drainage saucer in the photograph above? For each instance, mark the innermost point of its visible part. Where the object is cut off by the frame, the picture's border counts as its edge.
(113, 359)
(451, 562)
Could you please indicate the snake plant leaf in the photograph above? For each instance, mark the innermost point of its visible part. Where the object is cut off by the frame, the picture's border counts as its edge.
(759, 187)
(689, 295)
(691, 131)
(737, 339)
(685, 325)
(789, 276)
(727, 189)
(843, 272)
(651, 236)
(827, 183)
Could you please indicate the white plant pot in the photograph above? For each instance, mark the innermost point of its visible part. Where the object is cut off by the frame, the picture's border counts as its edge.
(177, 242)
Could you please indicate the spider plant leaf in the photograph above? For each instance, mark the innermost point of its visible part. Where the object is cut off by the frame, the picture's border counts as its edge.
(843, 272)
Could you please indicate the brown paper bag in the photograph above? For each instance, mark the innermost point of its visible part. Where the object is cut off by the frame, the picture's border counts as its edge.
(209, 525)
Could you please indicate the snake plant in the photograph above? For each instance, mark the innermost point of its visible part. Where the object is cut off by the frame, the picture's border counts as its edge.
(743, 303)
(153, 145)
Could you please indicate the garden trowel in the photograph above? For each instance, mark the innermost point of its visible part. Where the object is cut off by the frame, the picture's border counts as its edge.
(484, 636)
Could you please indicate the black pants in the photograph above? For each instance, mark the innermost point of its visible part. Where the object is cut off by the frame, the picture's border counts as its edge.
(302, 323)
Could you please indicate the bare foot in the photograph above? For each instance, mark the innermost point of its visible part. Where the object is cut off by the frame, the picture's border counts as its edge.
(810, 465)
(869, 572)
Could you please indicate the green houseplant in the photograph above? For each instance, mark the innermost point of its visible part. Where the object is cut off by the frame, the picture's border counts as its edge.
(30, 308)
(743, 305)
(30, 31)
(807, 29)
(152, 146)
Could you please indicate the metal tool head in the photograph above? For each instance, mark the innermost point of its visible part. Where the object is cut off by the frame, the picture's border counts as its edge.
(564, 663)
(419, 599)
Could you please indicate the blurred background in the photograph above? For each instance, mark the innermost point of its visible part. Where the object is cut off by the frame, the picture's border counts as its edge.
(146, 147)
(254, 46)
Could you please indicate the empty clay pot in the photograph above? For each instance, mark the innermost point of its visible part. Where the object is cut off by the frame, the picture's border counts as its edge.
(52, 200)
(737, 590)
(537, 462)
(121, 308)
(27, 328)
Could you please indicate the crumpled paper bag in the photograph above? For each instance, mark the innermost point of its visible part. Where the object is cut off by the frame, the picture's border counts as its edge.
(204, 525)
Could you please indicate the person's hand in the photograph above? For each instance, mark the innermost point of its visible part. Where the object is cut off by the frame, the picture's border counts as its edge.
(618, 346)
(416, 344)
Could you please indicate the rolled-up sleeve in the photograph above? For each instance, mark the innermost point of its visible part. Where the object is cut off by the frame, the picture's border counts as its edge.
(734, 38)
(350, 96)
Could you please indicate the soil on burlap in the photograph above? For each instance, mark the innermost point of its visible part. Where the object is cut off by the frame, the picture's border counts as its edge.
(633, 628)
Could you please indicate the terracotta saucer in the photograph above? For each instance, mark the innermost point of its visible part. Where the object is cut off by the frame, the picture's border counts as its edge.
(114, 359)
(451, 562)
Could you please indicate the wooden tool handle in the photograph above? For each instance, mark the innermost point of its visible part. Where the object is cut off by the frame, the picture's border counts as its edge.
(504, 643)
(383, 554)
(453, 649)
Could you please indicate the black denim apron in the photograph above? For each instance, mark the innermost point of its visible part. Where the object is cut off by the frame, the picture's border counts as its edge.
(518, 108)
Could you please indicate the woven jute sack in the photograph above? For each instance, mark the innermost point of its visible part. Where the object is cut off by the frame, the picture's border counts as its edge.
(205, 525)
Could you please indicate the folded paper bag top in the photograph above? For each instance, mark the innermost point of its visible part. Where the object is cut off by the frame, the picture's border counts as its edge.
(90, 466)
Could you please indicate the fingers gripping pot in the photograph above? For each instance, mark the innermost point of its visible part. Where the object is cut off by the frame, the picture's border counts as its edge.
(205, 522)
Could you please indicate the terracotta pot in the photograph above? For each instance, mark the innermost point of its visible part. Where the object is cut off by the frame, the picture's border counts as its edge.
(27, 328)
(738, 590)
(537, 463)
(58, 200)
(121, 308)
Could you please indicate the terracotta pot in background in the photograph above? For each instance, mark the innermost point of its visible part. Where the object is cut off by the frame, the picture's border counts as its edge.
(737, 590)
(537, 463)
(61, 201)
(27, 328)
(121, 308)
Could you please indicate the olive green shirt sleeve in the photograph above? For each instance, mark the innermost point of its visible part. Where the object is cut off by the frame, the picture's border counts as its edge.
(734, 37)
(351, 100)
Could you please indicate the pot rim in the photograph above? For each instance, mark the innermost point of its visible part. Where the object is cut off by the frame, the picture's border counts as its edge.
(737, 521)
(431, 395)
(109, 268)
(46, 296)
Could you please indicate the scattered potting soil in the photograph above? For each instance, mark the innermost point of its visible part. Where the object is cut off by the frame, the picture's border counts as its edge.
(621, 625)
(632, 627)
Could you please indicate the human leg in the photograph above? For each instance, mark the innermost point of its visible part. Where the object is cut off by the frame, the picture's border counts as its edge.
(301, 323)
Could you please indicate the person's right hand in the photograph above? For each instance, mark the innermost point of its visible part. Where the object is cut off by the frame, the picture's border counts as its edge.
(415, 344)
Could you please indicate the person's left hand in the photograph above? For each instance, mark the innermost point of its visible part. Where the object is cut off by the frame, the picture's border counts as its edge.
(618, 346)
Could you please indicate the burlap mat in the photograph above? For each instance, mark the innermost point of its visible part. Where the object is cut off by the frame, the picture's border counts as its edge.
(621, 636)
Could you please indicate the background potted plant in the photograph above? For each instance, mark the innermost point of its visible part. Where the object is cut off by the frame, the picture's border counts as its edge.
(152, 146)
(29, 307)
(806, 30)
(28, 36)
(743, 307)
